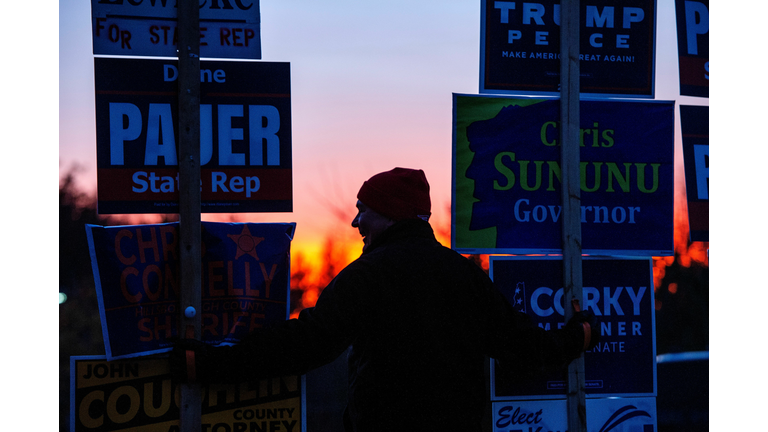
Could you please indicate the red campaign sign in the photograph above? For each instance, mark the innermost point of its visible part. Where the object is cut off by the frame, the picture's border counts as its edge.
(245, 136)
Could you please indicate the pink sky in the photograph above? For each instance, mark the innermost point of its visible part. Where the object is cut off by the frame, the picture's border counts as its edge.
(371, 87)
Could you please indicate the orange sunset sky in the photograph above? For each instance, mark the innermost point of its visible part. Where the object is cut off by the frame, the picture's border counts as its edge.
(371, 89)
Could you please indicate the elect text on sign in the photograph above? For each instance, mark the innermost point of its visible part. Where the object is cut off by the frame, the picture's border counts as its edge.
(245, 136)
(637, 414)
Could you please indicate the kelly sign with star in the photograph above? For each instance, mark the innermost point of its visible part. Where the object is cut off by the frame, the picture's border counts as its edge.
(245, 282)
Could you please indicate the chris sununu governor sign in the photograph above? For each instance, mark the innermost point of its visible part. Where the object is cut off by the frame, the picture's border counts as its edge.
(507, 176)
(245, 136)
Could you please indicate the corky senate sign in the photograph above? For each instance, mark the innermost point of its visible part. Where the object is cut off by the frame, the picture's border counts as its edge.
(618, 291)
(507, 179)
(245, 136)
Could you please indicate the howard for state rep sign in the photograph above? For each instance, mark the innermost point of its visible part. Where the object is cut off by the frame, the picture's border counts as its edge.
(506, 176)
(245, 136)
(228, 29)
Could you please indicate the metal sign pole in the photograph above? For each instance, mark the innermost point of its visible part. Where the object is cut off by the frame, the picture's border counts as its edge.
(189, 196)
(571, 196)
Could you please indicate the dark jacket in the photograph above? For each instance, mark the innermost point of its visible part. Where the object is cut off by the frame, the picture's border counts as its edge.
(421, 320)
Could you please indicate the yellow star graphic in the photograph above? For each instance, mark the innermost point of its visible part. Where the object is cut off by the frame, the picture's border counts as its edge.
(246, 243)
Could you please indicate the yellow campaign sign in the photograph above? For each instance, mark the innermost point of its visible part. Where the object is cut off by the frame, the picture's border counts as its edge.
(138, 395)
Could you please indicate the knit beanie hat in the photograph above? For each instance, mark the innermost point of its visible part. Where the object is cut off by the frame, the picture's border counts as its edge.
(398, 194)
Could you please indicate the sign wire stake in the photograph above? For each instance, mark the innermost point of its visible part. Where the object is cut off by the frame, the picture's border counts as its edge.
(571, 197)
(189, 197)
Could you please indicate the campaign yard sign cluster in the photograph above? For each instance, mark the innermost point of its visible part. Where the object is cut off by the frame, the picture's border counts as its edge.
(245, 285)
(507, 189)
(245, 162)
(245, 110)
(245, 136)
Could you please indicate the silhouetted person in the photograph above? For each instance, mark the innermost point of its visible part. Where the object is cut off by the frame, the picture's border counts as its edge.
(419, 317)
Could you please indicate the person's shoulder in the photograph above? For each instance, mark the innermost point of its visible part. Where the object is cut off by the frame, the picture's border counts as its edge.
(362, 265)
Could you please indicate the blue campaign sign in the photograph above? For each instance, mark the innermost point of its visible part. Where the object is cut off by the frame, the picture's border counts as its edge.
(693, 46)
(694, 126)
(507, 179)
(245, 136)
(618, 291)
(230, 29)
(245, 282)
(520, 47)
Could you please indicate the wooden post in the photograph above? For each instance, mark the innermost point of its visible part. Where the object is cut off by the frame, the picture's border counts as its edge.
(189, 196)
(571, 196)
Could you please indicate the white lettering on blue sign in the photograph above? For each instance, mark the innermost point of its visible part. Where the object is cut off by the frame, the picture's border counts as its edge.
(545, 301)
(696, 23)
(126, 124)
(535, 14)
(701, 164)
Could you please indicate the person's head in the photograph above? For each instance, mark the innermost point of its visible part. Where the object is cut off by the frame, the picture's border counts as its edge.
(389, 197)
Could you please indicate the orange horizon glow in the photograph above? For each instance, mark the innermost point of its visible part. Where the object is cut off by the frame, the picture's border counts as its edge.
(318, 255)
